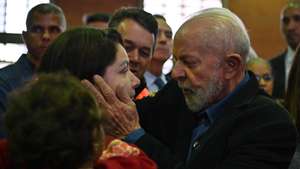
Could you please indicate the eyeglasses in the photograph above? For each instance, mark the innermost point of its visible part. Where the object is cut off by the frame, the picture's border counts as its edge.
(265, 77)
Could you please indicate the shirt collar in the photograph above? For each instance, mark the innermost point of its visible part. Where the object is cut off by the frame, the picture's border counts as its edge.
(215, 110)
(149, 77)
(290, 55)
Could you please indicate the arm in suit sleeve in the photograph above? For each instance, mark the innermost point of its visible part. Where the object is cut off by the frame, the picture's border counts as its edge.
(156, 116)
(269, 146)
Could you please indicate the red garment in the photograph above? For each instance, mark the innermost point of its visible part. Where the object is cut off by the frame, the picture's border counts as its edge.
(5, 163)
(140, 161)
(144, 93)
(120, 155)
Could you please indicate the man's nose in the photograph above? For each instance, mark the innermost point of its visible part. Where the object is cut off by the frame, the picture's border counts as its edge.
(134, 80)
(162, 39)
(291, 25)
(46, 35)
(178, 72)
(134, 55)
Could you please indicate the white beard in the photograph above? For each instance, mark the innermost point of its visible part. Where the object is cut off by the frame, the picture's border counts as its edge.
(197, 99)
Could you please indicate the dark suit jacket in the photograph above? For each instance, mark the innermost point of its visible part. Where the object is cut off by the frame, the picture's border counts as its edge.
(278, 69)
(253, 132)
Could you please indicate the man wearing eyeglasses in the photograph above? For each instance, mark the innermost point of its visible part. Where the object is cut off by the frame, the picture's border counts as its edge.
(281, 65)
(44, 23)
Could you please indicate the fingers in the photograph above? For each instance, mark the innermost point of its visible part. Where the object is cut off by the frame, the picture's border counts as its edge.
(105, 89)
(100, 99)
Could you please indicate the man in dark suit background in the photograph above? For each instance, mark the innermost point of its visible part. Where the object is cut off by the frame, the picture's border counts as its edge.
(281, 65)
(218, 118)
(154, 75)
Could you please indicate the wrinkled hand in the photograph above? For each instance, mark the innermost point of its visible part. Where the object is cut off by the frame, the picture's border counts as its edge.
(119, 109)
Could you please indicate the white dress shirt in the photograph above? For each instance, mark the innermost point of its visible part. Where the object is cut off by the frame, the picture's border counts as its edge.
(290, 55)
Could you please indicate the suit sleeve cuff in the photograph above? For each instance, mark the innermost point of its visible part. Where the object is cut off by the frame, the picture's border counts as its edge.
(134, 136)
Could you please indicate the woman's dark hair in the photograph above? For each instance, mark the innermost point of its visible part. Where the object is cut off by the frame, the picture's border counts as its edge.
(292, 99)
(51, 123)
(83, 52)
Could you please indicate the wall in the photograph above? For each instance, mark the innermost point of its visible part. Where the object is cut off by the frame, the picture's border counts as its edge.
(262, 19)
(74, 10)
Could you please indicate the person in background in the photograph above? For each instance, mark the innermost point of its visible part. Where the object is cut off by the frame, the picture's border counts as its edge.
(263, 72)
(154, 77)
(44, 23)
(281, 64)
(232, 123)
(97, 20)
(292, 100)
(138, 29)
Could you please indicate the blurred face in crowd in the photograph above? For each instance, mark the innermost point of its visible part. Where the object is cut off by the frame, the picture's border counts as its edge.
(118, 73)
(138, 43)
(264, 75)
(198, 72)
(164, 43)
(290, 26)
(43, 31)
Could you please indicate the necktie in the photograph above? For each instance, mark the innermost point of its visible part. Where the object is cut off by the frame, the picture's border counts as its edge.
(159, 83)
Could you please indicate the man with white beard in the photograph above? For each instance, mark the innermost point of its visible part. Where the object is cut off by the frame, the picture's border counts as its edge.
(227, 121)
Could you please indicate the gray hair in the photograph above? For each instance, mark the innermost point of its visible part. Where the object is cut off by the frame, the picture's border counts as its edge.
(251, 54)
(224, 32)
(46, 8)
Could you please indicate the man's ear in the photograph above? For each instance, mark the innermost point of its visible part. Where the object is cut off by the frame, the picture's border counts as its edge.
(25, 37)
(233, 65)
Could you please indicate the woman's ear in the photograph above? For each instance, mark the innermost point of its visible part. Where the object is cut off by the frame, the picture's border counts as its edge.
(233, 65)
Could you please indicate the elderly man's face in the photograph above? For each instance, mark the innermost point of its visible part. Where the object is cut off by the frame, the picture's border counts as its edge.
(199, 73)
(138, 43)
(290, 26)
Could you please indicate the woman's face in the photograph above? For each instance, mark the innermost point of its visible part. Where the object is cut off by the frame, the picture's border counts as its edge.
(118, 73)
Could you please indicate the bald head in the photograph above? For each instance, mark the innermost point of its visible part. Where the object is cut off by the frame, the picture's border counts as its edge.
(219, 30)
